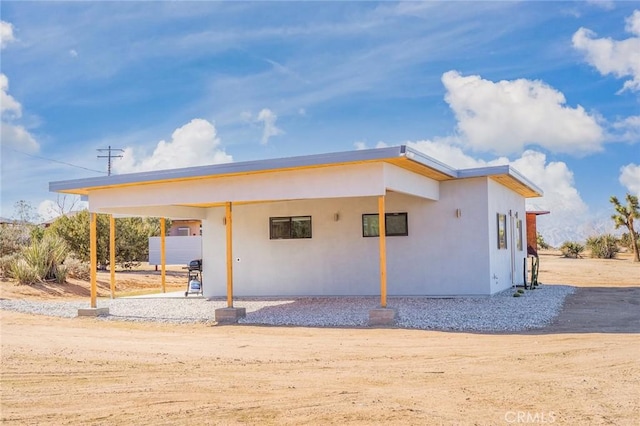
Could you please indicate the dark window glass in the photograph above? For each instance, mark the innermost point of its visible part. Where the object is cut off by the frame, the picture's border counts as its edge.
(396, 224)
(281, 228)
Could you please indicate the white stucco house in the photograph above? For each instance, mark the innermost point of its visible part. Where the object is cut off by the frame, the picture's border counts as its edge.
(309, 225)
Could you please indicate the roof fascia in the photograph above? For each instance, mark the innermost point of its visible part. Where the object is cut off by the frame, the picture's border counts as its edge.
(499, 170)
(427, 161)
(230, 168)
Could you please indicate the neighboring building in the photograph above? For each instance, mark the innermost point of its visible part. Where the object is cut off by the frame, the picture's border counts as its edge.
(185, 228)
(309, 225)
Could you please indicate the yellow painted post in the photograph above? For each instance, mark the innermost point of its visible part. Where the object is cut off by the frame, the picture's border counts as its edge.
(383, 252)
(228, 218)
(163, 254)
(112, 254)
(93, 253)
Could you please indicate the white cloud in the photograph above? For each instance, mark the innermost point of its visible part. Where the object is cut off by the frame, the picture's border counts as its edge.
(630, 178)
(9, 107)
(18, 137)
(73, 53)
(360, 145)
(13, 135)
(608, 56)
(507, 116)
(446, 151)
(632, 23)
(628, 128)
(49, 209)
(603, 4)
(6, 34)
(194, 144)
(268, 118)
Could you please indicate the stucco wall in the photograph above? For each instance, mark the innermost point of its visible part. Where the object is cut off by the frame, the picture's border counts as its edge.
(502, 200)
(443, 254)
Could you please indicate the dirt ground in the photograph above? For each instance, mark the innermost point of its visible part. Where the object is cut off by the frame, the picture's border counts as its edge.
(583, 369)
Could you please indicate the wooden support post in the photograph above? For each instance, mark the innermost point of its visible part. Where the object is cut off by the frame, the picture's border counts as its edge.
(383, 252)
(112, 254)
(163, 254)
(93, 253)
(228, 220)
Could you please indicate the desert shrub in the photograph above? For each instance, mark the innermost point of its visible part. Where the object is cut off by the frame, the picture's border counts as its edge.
(6, 262)
(23, 272)
(571, 249)
(13, 238)
(603, 246)
(41, 260)
(77, 269)
(541, 242)
(625, 240)
(60, 273)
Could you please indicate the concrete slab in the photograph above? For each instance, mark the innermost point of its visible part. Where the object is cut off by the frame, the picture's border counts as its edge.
(93, 312)
(382, 316)
(229, 315)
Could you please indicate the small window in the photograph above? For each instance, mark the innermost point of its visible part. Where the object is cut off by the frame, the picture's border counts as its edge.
(183, 231)
(396, 224)
(292, 227)
(519, 234)
(502, 231)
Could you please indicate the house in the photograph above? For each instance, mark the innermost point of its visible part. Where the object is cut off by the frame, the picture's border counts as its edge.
(185, 228)
(310, 225)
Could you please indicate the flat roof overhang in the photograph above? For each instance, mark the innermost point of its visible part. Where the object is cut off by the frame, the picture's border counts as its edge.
(401, 156)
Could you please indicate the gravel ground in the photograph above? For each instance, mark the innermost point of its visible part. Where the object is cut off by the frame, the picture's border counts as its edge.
(501, 312)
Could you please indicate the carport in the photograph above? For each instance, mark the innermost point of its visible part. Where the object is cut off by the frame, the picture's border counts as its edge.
(199, 192)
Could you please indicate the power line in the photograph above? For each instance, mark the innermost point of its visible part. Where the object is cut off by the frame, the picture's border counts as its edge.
(55, 161)
(109, 156)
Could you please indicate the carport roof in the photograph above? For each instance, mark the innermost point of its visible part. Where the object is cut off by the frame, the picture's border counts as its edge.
(401, 156)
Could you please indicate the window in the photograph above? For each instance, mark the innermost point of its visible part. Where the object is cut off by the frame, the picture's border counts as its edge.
(396, 224)
(519, 234)
(281, 228)
(183, 231)
(502, 231)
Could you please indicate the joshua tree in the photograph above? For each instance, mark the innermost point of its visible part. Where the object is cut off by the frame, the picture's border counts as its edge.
(625, 216)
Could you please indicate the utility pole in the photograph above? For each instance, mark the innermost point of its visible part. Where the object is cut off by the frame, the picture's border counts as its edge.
(109, 156)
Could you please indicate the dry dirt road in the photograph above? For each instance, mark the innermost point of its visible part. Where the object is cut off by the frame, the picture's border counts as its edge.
(85, 371)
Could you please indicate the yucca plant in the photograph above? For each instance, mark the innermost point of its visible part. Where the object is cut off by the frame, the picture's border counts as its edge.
(42, 260)
(572, 249)
(23, 272)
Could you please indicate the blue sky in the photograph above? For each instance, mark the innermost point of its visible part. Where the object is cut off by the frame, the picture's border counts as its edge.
(551, 87)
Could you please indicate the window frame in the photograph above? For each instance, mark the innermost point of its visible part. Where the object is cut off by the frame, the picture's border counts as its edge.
(386, 222)
(501, 231)
(291, 233)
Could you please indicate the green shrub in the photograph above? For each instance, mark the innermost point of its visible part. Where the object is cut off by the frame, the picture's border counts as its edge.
(23, 272)
(5, 264)
(625, 240)
(541, 242)
(571, 249)
(603, 246)
(42, 260)
(60, 273)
